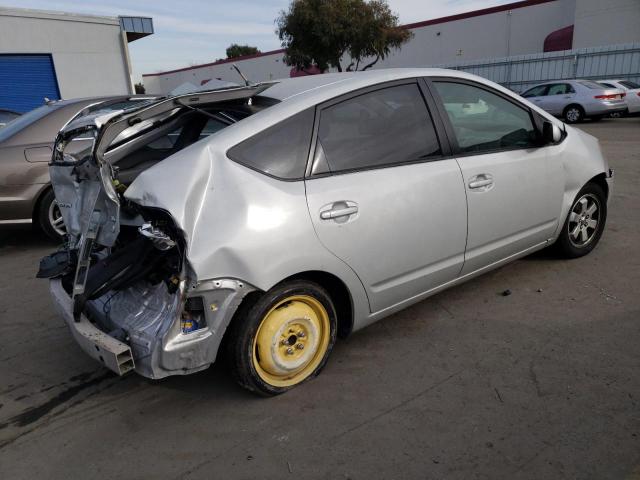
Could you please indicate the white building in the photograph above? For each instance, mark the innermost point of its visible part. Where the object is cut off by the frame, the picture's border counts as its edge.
(63, 55)
(524, 27)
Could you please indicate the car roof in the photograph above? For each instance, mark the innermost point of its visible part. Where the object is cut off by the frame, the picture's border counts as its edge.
(330, 82)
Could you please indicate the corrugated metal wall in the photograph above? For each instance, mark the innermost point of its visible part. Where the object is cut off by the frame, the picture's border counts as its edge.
(522, 71)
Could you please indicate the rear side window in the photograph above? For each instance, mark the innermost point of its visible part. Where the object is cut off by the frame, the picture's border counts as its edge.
(382, 128)
(484, 121)
(281, 150)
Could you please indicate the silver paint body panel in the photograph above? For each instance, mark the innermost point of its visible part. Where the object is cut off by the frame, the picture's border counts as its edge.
(418, 228)
(243, 224)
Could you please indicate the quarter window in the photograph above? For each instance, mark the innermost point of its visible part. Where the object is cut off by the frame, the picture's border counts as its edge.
(484, 121)
(281, 150)
(382, 128)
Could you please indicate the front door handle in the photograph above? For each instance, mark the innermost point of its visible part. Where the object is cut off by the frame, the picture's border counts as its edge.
(338, 212)
(481, 182)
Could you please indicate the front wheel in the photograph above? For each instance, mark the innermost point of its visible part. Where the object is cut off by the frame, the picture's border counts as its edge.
(585, 222)
(283, 338)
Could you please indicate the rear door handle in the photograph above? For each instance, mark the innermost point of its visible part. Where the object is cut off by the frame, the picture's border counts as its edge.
(482, 182)
(338, 212)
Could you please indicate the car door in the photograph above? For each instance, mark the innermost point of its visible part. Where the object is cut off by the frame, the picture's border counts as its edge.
(514, 186)
(383, 195)
(537, 95)
(558, 97)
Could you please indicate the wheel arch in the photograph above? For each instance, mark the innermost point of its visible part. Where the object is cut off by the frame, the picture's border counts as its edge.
(339, 293)
(573, 104)
(38, 201)
(601, 181)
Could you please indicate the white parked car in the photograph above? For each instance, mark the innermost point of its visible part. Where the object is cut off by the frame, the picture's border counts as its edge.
(575, 100)
(320, 205)
(632, 90)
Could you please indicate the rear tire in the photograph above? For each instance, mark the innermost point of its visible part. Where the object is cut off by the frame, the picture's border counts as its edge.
(48, 217)
(573, 114)
(282, 338)
(585, 222)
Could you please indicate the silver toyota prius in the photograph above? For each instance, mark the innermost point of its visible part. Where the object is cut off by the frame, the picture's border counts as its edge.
(262, 222)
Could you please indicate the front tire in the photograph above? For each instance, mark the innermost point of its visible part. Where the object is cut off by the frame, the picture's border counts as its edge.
(573, 114)
(585, 222)
(49, 218)
(283, 338)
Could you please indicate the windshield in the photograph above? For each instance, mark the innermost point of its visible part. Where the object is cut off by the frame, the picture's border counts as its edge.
(629, 84)
(23, 121)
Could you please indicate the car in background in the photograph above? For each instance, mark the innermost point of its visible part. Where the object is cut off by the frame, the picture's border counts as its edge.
(6, 116)
(26, 145)
(632, 90)
(575, 100)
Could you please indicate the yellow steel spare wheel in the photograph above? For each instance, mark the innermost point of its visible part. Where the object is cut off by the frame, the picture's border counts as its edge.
(291, 340)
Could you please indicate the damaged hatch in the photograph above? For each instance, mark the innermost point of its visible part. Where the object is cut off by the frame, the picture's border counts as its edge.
(124, 267)
(84, 169)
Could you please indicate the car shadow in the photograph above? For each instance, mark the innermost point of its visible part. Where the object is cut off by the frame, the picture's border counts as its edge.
(24, 236)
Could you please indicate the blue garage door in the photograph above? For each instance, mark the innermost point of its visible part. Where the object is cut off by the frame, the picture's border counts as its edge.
(25, 80)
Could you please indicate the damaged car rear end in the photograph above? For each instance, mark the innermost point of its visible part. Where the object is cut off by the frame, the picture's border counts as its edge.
(123, 281)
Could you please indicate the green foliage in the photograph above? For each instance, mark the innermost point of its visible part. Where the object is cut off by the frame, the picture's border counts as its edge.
(320, 32)
(234, 50)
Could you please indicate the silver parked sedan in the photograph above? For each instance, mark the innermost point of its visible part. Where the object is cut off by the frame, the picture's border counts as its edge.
(574, 100)
(320, 205)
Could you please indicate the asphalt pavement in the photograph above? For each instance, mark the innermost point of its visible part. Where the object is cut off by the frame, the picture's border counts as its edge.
(470, 384)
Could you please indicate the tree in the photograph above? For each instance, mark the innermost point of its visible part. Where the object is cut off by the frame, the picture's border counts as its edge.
(234, 50)
(139, 88)
(321, 32)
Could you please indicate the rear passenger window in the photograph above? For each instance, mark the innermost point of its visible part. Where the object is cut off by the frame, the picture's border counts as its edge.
(281, 150)
(382, 128)
(560, 89)
(484, 121)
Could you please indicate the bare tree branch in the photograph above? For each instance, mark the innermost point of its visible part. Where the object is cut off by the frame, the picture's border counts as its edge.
(371, 64)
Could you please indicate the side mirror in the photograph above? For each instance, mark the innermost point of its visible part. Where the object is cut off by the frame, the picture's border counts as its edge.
(551, 133)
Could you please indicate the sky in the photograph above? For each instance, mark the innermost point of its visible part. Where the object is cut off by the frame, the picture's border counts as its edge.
(190, 32)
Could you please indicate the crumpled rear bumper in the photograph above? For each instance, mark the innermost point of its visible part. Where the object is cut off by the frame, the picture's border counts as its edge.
(112, 353)
(155, 345)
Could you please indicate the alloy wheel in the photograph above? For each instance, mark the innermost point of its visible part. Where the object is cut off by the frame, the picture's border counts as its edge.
(584, 220)
(55, 219)
(573, 115)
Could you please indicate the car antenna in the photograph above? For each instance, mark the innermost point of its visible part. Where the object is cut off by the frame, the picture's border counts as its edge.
(246, 81)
